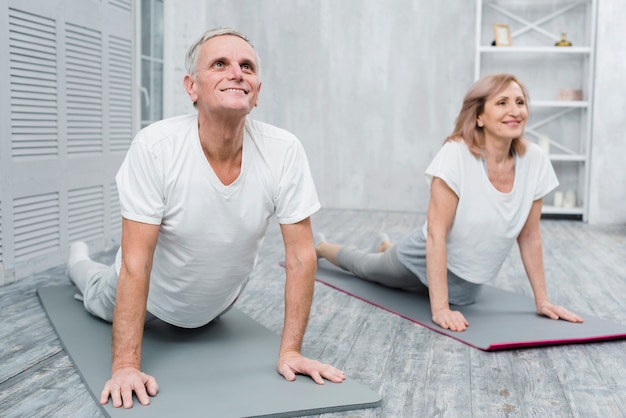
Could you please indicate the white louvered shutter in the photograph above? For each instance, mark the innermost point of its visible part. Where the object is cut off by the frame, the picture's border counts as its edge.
(68, 116)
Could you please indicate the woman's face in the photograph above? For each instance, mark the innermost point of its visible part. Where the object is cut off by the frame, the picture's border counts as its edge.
(505, 114)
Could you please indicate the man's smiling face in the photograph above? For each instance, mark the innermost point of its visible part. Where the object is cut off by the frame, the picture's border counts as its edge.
(226, 79)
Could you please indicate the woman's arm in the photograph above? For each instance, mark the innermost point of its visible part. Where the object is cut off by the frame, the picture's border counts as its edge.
(441, 212)
(529, 242)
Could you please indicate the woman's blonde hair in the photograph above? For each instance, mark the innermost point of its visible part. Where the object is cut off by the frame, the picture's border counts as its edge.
(466, 127)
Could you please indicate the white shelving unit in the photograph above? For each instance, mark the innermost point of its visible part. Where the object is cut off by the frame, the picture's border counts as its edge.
(535, 27)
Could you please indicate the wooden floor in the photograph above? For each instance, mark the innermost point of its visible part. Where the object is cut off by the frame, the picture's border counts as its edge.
(419, 373)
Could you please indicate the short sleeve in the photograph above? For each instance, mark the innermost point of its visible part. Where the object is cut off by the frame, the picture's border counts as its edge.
(296, 198)
(546, 177)
(447, 165)
(140, 185)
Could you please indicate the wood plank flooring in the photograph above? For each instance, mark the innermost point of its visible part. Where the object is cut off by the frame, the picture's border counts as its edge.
(418, 372)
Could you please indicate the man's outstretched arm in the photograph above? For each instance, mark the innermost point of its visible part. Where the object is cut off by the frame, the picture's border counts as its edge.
(138, 244)
(300, 266)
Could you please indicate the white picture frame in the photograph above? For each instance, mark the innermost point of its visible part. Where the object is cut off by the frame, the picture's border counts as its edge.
(502, 34)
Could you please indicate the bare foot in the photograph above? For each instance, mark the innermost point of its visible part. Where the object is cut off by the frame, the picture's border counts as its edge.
(384, 246)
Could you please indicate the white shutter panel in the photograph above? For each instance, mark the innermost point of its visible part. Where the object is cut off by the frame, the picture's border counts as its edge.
(70, 78)
(36, 225)
(33, 66)
(86, 214)
(83, 71)
(115, 219)
(120, 90)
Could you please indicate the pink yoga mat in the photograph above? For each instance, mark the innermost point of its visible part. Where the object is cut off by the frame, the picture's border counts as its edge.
(498, 319)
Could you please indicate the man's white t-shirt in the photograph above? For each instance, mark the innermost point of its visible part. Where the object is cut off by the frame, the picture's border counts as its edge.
(210, 234)
(487, 221)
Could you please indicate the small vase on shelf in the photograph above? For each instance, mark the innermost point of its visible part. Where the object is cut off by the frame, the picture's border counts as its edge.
(563, 41)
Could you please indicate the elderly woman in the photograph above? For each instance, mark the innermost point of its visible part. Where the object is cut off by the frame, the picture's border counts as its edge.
(487, 185)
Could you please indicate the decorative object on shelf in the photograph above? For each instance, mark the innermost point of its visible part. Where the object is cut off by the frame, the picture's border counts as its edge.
(544, 143)
(569, 200)
(558, 199)
(569, 94)
(502, 34)
(563, 41)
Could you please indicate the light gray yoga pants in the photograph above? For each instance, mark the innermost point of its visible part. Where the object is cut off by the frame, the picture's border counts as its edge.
(98, 285)
(386, 269)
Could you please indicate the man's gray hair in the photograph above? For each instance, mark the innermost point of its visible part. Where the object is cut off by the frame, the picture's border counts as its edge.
(191, 60)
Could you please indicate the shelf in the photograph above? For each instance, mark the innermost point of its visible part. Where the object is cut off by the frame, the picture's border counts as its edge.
(553, 210)
(581, 50)
(534, 26)
(567, 157)
(559, 103)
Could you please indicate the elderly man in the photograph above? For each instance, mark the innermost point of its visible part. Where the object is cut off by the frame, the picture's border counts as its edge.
(197, 193)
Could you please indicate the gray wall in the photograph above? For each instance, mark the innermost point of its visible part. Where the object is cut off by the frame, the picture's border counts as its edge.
(372, 88)
(607, 186)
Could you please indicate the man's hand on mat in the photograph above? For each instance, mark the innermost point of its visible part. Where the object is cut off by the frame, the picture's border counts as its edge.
(126, 381)
(558, 312)
(449, 319)
(292, 363)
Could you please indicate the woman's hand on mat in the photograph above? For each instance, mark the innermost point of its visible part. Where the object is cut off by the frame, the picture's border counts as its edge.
(558, 312)
(292, 363)
(124, 382)
(449, 319)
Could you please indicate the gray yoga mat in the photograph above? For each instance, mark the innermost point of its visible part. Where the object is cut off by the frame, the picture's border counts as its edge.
(225, 369)
(498, 319)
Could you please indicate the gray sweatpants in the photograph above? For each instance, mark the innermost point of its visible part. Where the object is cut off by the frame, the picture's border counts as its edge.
(98, 284)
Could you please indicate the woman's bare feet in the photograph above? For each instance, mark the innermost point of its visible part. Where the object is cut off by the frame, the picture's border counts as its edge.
(382, 243)
(384, 246)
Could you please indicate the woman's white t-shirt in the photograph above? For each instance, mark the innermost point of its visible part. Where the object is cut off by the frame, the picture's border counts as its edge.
(487, 221)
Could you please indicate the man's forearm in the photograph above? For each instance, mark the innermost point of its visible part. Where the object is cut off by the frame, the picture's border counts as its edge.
(298, 299)
(128, 322)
